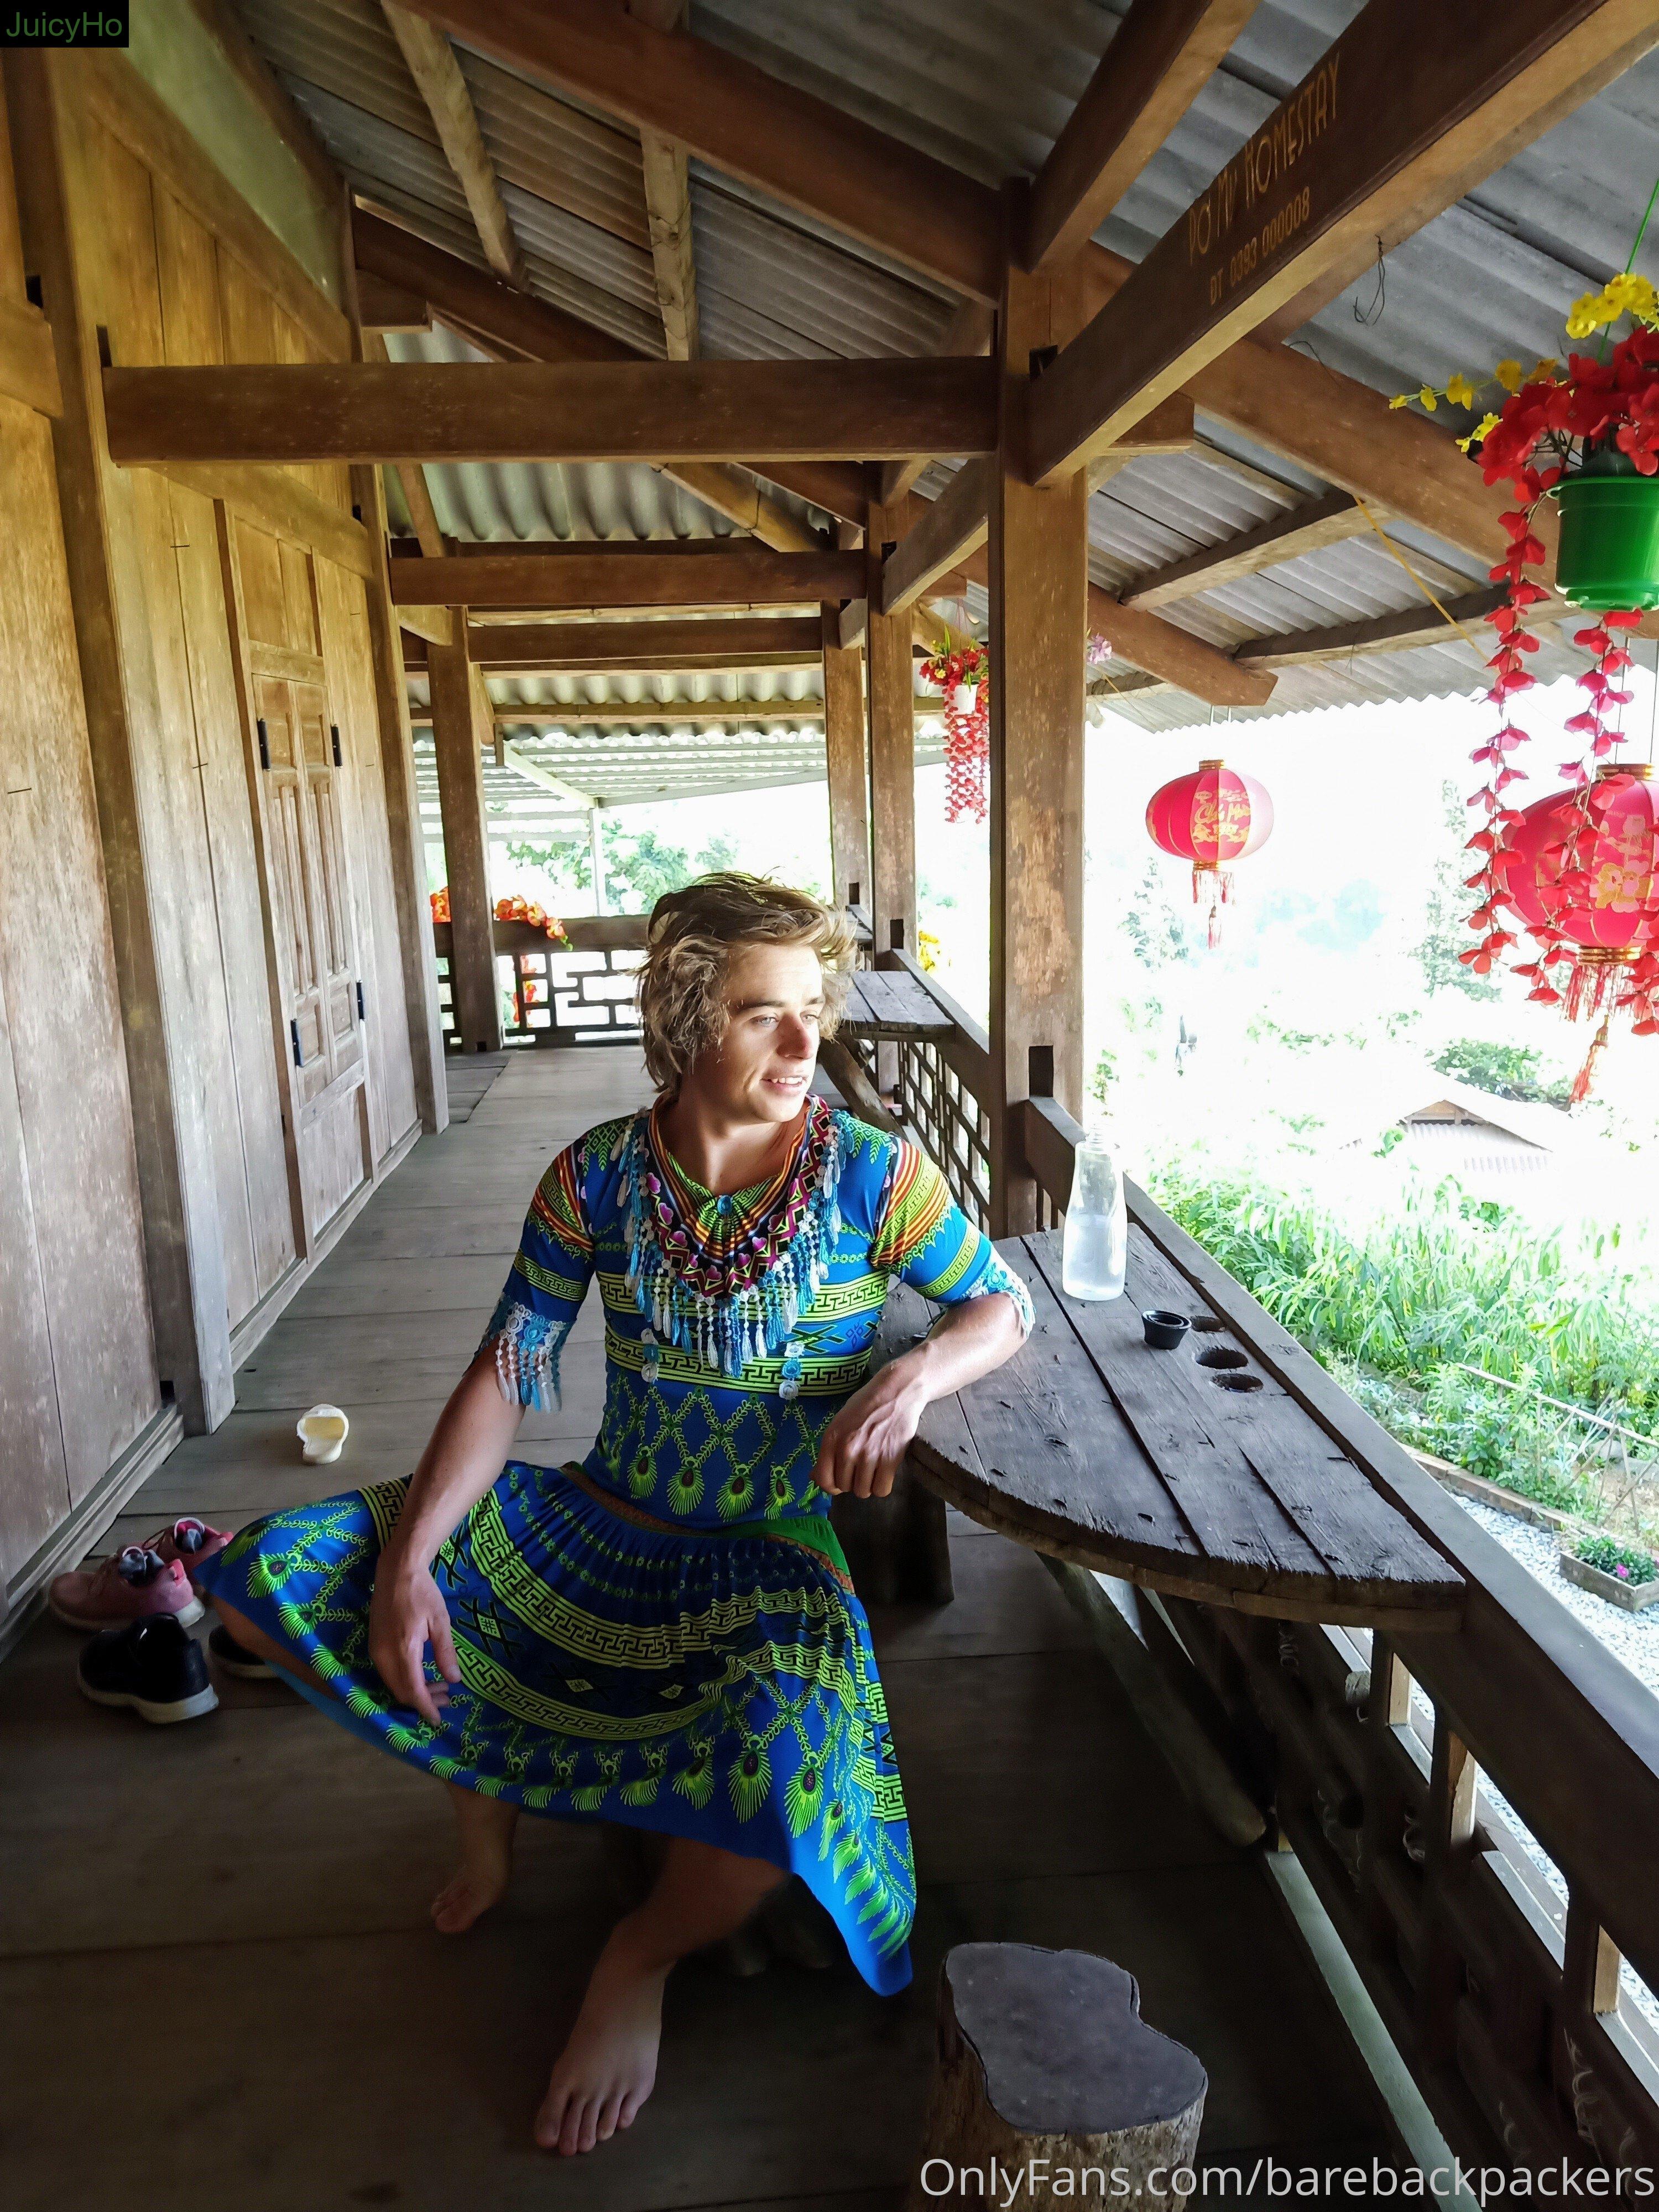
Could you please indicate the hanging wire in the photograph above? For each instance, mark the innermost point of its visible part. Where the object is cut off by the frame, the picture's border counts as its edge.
(1653, 705)
(1367, 316)
(1423, 586)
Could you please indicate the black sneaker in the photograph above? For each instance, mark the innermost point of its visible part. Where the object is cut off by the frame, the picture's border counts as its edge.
(236, 1659)
(154, 1667)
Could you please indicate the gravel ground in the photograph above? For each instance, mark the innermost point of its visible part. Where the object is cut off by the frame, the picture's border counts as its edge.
(1632, 1637)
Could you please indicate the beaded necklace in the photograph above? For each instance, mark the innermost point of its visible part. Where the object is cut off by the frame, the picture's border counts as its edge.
(725, 1277)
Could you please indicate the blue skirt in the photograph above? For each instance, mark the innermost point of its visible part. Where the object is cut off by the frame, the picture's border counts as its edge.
(714, 1683)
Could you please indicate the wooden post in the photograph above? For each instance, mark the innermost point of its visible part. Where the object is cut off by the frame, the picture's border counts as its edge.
(844, 764)
(892, 890)
(596, 855)
(461, 721)
(1039, 582)
(102, 541)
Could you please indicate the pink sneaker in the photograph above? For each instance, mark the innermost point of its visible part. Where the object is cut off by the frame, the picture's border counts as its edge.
(189, 1540)
(132, 1584)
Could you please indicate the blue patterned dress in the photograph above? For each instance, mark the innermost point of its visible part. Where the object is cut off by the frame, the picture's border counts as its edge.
(667, 1634)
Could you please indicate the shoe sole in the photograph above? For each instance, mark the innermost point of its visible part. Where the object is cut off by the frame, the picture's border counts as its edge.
(154, 1710)
(246, 1670)
(187, 1616)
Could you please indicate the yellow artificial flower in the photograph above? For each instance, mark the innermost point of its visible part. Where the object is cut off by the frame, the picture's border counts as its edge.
(1459, 392)
(1402, 400)
(1589, 313)
(1633, 295)
(1542, 369)
(1429, 397)
(1510, 375)
(1481, 432)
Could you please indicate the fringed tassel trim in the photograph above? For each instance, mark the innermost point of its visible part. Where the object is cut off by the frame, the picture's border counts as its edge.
(526, 1351)
(754, 1323)
(999, 1276)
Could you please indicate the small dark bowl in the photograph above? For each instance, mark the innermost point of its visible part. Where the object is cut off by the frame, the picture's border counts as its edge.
(1164, 1331)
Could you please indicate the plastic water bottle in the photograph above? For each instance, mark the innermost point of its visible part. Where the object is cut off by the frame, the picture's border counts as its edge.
(1095, 1243)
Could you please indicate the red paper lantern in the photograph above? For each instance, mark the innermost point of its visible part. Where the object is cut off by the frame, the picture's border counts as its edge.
(1212, 818)
(1581, 868)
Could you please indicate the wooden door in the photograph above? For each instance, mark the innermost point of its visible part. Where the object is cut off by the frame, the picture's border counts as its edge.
(297, 763)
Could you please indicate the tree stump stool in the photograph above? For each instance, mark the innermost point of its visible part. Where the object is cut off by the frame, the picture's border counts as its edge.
(1047, 2072)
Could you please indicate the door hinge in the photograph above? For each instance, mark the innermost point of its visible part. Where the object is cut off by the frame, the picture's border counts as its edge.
(334, 732)
(293, 1031)
(361, 1015)
(265, 743)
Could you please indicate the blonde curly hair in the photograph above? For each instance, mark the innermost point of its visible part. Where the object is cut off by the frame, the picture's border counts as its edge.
(690, 941)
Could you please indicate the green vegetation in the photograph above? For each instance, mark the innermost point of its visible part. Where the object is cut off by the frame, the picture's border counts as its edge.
(1508, 1070)
(1399, 1307)
(639, 865)
(1621, 1560)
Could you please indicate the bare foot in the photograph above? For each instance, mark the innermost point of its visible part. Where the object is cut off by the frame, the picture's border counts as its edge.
(609, 2067)
(486, 1827)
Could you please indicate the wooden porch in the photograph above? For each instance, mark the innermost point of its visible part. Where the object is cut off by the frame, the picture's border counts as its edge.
(225, 1928)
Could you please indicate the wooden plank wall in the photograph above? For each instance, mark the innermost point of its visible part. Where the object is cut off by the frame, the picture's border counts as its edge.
(150, 1154)
(78, 1384)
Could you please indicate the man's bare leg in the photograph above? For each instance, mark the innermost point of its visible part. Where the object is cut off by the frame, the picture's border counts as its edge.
(607, 2069)
(486, 1826)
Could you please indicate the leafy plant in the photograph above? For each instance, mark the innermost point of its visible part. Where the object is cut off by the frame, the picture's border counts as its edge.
(1623, 1561)
(1508, 1070)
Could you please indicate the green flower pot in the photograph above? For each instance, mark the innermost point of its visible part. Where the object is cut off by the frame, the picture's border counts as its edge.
(1609, 552)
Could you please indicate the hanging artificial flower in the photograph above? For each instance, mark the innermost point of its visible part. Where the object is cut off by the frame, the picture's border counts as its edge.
(964, 677)
(1603, 413)
(439, 901)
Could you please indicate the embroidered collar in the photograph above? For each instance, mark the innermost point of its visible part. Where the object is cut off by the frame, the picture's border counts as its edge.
(726, 1278)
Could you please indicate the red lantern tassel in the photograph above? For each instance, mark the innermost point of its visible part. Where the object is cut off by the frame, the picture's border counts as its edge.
(1581, 1083)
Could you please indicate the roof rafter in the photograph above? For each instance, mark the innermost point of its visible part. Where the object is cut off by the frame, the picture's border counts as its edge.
(1331, 165)
(718, 644)
(668, 210)
(1305, 529)
(1162, 54)
(437, 79)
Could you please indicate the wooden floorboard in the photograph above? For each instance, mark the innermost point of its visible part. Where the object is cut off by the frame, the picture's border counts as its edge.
(264, 1870)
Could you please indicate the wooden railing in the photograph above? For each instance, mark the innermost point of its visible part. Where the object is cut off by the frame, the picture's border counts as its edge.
(555, 996)
(1479, 1813)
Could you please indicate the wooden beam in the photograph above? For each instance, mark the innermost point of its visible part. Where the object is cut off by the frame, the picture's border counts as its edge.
(1163, 649)
(969, 329)
(461, 722)
(509, 756)
(1038, 558)
(28, 360)
(510, 326)
(952, 527)
(1162, 54)
(389, 306)
(294, 126)
(574, 411)
(585, 573)
(436, 624)
(668, 209)
(1334, 163)
(891, 893)
(845, 765)
(1305, 529)
(797, 148)
(524, 648)
(412, 477)
(1346, 432)
(437, 79)
(1389, 633)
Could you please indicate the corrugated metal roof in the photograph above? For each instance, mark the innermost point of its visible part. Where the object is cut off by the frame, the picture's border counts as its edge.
(986, 85)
